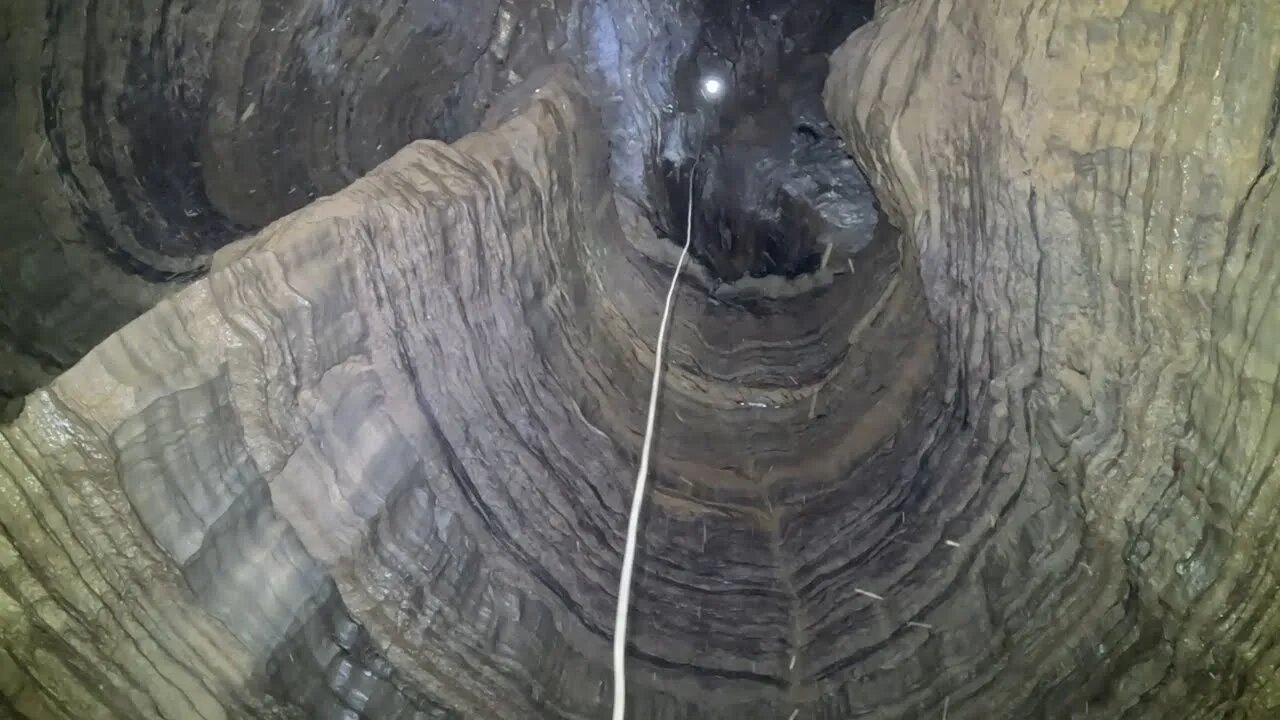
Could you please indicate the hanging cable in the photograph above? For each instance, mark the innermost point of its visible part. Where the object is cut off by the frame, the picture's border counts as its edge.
(637, 500)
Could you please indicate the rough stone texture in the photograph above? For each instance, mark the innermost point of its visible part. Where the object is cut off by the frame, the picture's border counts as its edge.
(380, 458)
(145, 135)
(1091, 190)
(374, 460)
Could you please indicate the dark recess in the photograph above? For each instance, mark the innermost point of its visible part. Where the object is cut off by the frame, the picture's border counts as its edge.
(758, 144)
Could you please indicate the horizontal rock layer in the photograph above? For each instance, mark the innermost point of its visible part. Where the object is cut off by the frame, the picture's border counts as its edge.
(1014, 462)
(1091, 190)
(144, 136)
(381, 455)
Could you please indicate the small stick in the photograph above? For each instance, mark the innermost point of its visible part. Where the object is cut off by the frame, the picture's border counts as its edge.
(826, 255)
(851, 270)
(792, 666)
(813, 406)
(868, 593)
(952, 543)
(925, 626)
(945, 704)
(794, 713)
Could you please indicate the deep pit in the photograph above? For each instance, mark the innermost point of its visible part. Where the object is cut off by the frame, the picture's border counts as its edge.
(325, 331)
(775, 184)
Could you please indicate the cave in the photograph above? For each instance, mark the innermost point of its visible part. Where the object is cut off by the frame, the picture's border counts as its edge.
(327, 328)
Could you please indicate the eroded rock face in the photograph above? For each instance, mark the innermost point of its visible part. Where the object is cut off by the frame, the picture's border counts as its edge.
(1091, 190)
(379, 459)
(376, 459)
(146, 136)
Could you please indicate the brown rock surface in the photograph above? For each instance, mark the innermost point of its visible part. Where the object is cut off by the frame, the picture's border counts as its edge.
(1091, 191)
(373, 459)
(389, 438)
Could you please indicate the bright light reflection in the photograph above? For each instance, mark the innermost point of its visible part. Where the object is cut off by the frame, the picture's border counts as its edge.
(712, 88)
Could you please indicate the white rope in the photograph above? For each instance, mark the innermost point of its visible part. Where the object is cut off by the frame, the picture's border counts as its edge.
(633, 525)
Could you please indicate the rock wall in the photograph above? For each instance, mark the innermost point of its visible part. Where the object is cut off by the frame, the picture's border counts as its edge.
(379, 460)
(145, 135)
(234, 505)
(1091, 190)
(376, 457)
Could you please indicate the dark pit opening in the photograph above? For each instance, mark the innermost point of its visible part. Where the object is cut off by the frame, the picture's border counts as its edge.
(776, 238)
(774, 185)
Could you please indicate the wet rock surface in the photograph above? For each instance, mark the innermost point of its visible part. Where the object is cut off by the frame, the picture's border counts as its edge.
(387, 438)
(146, 136)
(1096, 237)
(369, 451)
